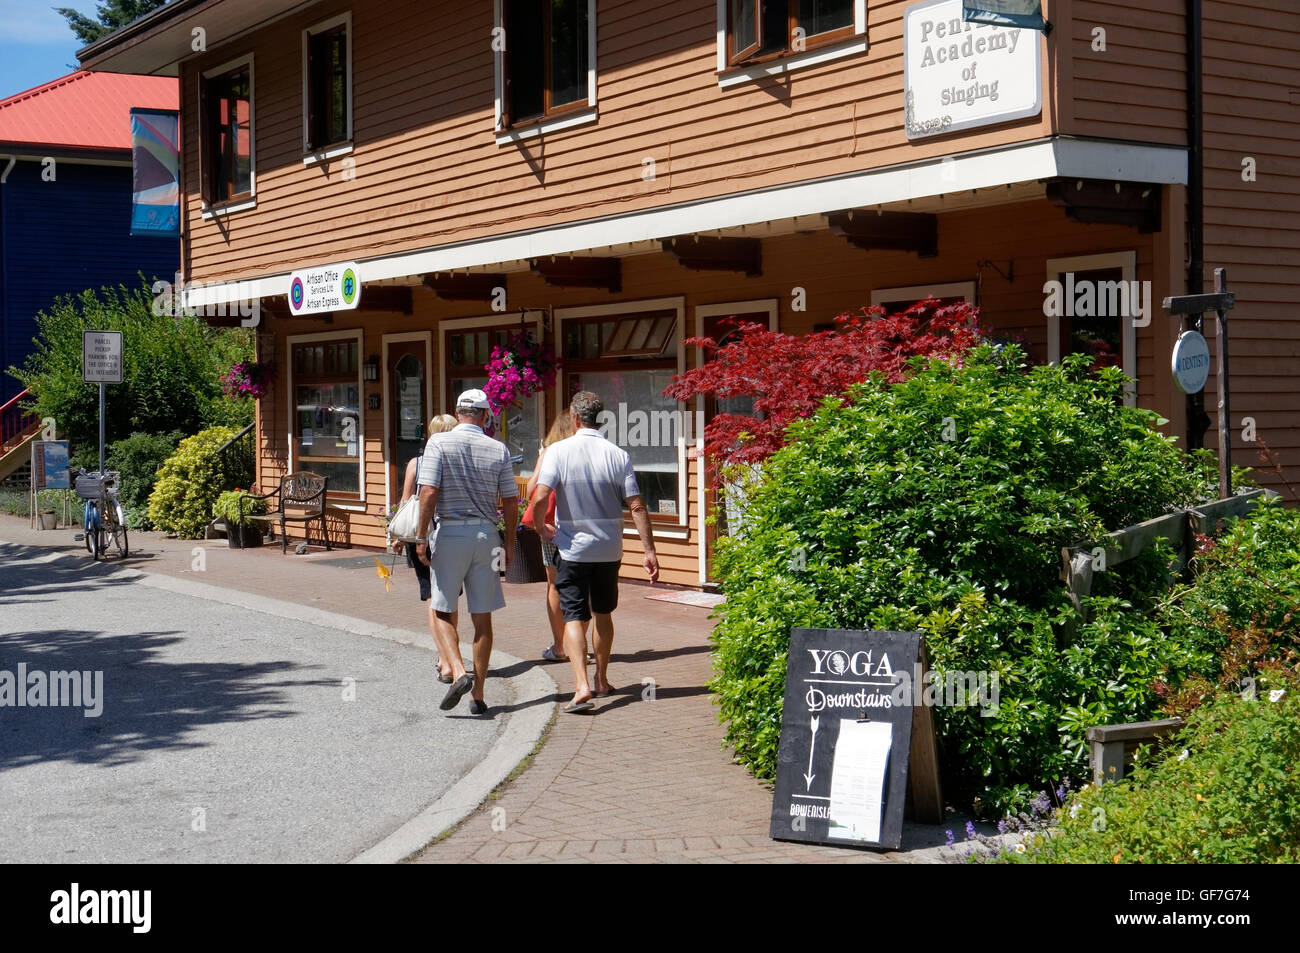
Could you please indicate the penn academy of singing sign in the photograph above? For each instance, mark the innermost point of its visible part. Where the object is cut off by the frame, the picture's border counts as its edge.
(1191, 362)
(327, 288)
(846, 731)
(959, 74)
(101, 357)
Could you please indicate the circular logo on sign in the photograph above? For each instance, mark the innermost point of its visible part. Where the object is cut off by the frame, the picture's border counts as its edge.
(838, 663)
(349, 286)
(296, 293)
(1191, 362)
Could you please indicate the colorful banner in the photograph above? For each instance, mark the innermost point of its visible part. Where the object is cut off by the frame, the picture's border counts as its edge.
(155, 169)
(1027, 14)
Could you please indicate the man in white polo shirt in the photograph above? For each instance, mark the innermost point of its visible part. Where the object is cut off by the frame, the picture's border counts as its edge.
(462, 475)
(592, 478)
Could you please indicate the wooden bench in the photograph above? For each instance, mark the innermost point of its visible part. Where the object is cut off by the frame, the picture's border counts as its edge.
(300, 498)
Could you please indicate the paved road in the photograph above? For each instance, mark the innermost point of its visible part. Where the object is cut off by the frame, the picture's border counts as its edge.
(225, 733)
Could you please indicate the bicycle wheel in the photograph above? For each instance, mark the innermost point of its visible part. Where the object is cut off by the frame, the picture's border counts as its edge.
(94, 541)
(119, 530)
(87, 524)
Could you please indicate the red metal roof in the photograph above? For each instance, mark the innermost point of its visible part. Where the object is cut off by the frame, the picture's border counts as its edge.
(83, 110)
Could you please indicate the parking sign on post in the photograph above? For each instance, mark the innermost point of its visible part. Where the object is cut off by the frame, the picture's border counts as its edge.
(101, 357)
(101, 363)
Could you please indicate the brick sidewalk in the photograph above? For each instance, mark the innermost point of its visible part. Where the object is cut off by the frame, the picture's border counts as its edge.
(637, 780)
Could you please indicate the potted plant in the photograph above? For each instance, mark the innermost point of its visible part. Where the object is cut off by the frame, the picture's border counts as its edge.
(249, 379)
(519, 369)
(233, 508)
(526, 562)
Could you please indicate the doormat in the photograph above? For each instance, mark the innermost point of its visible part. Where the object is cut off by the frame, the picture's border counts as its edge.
(689, 597)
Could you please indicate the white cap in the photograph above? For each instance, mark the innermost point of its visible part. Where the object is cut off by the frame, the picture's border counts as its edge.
(473, 398)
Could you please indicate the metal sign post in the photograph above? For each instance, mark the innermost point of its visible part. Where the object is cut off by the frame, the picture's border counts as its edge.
(101, 363)
(1221, 302)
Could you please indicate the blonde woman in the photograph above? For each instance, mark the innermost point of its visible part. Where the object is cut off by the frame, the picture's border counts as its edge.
(440, 424)
(562, 429)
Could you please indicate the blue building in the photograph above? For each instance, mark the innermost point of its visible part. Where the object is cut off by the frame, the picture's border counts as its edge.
(65, 200)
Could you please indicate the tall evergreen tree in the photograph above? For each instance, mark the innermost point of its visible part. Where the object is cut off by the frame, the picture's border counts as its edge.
(110, 15)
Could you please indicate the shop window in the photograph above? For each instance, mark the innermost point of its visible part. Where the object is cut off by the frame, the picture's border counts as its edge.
(1093, 310)
(765, 29)
(546, 57)
(517, 426)
(628, 360)
(328, 106)
(327, 413)
(227, 131)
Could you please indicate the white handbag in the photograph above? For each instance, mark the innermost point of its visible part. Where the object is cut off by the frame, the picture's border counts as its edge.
(405, 524)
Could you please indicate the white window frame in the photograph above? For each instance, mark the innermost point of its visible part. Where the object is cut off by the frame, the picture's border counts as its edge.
(534, 319)
(292, 401)
(229, 208)
(912, 293)
(507, 135)
(432, 376)
(773, 308)
(729, 76)
(1126, 261)
(678, 305)
(312, 156)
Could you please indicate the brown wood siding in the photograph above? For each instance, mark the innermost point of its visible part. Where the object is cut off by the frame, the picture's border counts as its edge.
(1136, 88)
(1252, 109)
(428, 171)
(836, 278)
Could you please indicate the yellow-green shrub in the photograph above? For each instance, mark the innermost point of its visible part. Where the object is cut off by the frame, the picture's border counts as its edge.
(191, 480)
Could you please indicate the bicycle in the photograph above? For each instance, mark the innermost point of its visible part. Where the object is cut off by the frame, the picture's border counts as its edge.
(104, 519)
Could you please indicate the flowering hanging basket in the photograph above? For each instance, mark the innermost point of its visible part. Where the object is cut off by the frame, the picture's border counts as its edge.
(249, 379)
(519, 369)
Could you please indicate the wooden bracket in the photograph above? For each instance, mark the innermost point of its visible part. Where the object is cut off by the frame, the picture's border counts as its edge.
(1102, 202)
(475, 287)
(705, 253)
(604, 273)
(888, 231)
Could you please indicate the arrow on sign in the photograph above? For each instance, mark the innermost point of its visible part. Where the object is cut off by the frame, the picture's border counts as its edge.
(812, 747)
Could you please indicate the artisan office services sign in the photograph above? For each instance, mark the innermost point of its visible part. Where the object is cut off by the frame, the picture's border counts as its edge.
(327, 288)
(959, 75)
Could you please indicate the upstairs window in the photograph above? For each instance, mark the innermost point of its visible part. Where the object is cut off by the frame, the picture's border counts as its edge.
(227, 132)
(766, 29)
(547, 57)
(327, 85)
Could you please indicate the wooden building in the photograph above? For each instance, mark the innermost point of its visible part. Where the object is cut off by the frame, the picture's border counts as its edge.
(618, 175)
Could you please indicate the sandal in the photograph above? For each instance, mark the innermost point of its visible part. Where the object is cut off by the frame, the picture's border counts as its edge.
(549, 655)
(580, 707)
(609, 690)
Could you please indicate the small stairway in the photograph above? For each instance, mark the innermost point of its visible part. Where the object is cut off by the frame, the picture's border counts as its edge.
(18, 428)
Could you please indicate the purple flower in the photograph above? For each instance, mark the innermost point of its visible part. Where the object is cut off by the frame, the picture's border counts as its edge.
(970, 831)
(951, 839)
(1002, 826)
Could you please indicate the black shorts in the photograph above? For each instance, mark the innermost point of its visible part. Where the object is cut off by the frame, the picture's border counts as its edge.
(421, 571)
(585, 588)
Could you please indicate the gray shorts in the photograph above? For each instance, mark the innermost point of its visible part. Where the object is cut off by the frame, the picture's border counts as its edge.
(468, 555)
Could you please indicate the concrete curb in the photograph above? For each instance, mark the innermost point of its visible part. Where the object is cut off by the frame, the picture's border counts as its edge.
(523, 727)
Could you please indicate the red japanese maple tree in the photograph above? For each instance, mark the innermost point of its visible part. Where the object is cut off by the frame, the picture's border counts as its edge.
(788, 376)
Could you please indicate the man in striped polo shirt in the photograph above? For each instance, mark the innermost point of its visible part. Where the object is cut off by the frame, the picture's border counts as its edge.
(592, 478)
(462, 475)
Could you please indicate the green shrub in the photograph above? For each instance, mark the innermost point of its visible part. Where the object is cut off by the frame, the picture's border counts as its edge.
(1241, 612)
(228, 508)
(190, 482)
(171, 369)
(941, 504)
(1226, 791)
(138, 459)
